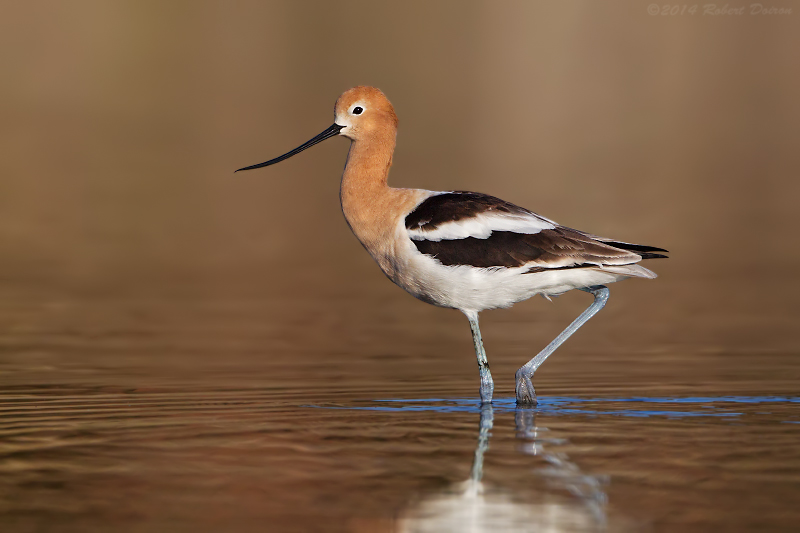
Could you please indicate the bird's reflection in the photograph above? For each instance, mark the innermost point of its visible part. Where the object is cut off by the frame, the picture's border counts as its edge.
(476, 506)
(560, 472)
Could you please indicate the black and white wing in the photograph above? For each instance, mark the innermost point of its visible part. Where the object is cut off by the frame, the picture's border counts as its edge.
(478, 230)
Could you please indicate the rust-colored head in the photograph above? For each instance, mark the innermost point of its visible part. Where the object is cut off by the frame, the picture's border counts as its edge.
(364, 111)
(360, 112)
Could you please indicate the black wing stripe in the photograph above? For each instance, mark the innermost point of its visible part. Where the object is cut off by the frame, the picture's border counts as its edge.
(454, 206)
(550, 248)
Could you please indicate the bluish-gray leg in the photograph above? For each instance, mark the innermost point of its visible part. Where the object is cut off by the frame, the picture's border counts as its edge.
(487, 385)
(525, 393)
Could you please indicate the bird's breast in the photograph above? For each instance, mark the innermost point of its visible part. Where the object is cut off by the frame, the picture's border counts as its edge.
(376, 219)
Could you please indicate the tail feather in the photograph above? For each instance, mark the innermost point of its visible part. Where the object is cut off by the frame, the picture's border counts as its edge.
(647, 252)
(647, 255)
(634, 270)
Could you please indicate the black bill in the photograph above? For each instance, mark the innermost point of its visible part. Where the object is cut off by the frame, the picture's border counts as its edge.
(330, 132)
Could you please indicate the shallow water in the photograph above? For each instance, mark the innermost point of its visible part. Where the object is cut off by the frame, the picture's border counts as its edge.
(250, 459)
(122, 415)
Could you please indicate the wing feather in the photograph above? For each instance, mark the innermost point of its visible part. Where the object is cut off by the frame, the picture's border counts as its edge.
(461, 228)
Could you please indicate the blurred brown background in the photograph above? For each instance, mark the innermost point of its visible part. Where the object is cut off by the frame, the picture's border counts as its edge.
(122, 123)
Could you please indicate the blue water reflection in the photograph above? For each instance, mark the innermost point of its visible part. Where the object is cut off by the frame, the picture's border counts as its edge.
(670, 407)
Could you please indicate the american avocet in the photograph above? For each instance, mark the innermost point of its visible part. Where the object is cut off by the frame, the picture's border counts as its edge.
(464, 250)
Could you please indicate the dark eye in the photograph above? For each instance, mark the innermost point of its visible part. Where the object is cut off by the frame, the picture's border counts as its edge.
(358, 110)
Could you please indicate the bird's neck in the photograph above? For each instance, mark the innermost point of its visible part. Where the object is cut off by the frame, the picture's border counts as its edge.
(372, 209)
(364, 180)
(367, 167)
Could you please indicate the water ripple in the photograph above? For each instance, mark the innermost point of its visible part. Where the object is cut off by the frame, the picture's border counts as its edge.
(702, 406)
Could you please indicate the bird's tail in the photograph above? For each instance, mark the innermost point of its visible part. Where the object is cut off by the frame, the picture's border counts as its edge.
(647, 252)
(633, 271)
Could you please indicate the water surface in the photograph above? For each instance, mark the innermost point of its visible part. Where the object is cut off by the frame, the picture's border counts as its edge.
(149, 423)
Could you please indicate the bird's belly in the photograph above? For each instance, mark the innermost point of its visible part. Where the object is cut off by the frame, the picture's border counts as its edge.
(462, 287)
(458, 287)
(469, 288)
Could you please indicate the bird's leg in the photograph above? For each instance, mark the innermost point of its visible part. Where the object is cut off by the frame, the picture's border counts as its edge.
(525, 393)
(487, 385)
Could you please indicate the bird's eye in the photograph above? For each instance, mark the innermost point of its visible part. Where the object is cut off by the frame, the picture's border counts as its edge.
(358, 110)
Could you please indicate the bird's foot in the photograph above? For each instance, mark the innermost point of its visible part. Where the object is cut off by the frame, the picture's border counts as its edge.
(487, 383)
(526, 396)
(487, 389)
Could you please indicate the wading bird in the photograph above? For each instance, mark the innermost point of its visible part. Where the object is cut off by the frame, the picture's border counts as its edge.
(464, 250)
